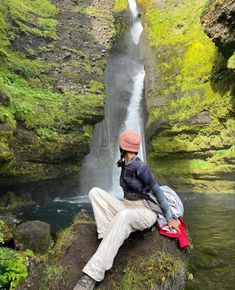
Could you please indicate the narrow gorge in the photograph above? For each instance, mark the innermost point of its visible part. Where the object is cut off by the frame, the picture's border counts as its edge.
(73, 75)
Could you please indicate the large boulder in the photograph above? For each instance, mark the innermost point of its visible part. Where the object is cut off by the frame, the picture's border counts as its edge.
(33, 235)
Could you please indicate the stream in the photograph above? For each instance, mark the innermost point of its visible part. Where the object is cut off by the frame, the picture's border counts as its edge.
(210, 221)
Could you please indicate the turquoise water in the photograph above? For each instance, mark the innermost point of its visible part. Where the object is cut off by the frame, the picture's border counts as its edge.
(210, 220)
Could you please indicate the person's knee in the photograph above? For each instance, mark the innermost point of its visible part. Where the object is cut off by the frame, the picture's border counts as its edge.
(125, 215)
(95, 192)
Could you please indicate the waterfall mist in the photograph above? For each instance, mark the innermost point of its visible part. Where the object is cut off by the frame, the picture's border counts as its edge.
(124, 78)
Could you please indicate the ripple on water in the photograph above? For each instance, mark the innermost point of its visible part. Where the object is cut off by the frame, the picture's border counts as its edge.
(210, 220)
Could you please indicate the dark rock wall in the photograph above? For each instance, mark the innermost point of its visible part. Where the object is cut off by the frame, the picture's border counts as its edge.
(219, 24)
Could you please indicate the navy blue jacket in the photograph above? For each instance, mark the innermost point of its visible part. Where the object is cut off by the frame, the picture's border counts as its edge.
(137, 181)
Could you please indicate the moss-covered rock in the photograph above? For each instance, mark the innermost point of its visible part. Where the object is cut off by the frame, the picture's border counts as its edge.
(189, 96)
(146, 260)
(33, 235)
(7, 227)
(9, 201)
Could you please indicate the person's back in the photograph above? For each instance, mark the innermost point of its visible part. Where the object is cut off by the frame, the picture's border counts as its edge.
(116, 219)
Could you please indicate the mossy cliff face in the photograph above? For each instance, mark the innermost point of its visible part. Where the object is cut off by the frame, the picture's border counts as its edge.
(189, 95)
(52, 55)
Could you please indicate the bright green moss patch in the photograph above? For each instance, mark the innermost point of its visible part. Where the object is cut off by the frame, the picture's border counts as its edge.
(120, 5)
(159, 271)
(13, 267)
(92, 11)
(231, 62)
(29, 84)
(35, 17)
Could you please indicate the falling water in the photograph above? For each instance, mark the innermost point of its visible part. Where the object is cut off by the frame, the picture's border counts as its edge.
(124, 109)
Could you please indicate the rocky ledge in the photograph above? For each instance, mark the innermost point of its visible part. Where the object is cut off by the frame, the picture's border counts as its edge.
(145, 261)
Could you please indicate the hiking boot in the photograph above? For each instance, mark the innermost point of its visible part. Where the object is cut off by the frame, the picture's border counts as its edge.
(85, 283)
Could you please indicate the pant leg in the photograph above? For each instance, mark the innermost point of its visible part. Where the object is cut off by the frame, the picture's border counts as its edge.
(105, 207)
(125, 222)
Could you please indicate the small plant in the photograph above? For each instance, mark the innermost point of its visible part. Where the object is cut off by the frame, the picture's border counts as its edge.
(55, 274)
(48, 134)
(13, 267)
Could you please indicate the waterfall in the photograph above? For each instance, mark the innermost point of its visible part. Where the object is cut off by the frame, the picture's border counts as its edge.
(123, 109)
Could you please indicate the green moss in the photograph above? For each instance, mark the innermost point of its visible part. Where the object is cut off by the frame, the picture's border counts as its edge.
(29, 84)
(120, 5)
(7, 117)
(5, 233)
(192, 81)
(92, 11)
(159, 271)
(5, 153)
(48, 134)
(34, 16)
(13, 267)
(231, 62)
(54, 272)
(95, 87)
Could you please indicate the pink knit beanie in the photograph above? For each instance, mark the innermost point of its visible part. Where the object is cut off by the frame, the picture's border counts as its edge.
(130, 141)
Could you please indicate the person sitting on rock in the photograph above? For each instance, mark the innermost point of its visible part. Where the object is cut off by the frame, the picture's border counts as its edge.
(115, 218)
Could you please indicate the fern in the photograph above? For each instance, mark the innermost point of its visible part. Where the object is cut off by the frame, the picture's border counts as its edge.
(13, 267)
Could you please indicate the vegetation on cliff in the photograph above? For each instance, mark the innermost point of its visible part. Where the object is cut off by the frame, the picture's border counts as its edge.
(51, 87)
(189, 100)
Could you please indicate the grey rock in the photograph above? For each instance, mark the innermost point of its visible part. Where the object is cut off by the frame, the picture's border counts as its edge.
(202, 117)
(33, 235)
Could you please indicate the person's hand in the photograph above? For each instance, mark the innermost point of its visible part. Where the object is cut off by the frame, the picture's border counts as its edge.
(174, 224)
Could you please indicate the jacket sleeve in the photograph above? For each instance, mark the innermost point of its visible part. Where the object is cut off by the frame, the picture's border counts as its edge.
(148, 179)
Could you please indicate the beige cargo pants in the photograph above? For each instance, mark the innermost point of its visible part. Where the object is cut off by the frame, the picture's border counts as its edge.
(115, 220)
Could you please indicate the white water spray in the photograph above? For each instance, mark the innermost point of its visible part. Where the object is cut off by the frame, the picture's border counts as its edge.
(133, 8)
(124, 79)
(134, 120)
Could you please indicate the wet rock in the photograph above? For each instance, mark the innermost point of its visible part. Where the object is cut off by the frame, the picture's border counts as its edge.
(4, 98)
(33, 235)
(5, 153)
(201, 118)
(219, 24)
(10, 201)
